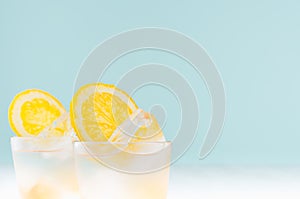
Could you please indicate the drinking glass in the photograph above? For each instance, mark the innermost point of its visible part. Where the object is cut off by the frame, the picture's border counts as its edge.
(137, 170)
(45, 167)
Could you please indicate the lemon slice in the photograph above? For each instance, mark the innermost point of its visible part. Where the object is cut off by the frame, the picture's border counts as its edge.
(33, 110)
(140, 126)
(152, 132)
(97, 109)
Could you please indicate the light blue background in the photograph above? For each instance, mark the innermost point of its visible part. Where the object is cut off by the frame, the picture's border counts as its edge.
(255, 45)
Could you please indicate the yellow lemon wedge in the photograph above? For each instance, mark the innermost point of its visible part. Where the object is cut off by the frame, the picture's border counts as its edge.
(140, 126)
(151, 132)
(97, 109)
(32, 111)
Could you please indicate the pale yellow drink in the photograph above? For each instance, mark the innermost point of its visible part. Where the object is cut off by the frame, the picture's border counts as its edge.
(111, 173)
(45, 167)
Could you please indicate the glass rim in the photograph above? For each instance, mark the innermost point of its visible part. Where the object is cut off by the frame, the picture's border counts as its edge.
(37, 137)
(87, 144)
(108, 142)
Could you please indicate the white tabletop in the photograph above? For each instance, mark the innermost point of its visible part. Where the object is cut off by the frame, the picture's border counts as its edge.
(211, 183)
